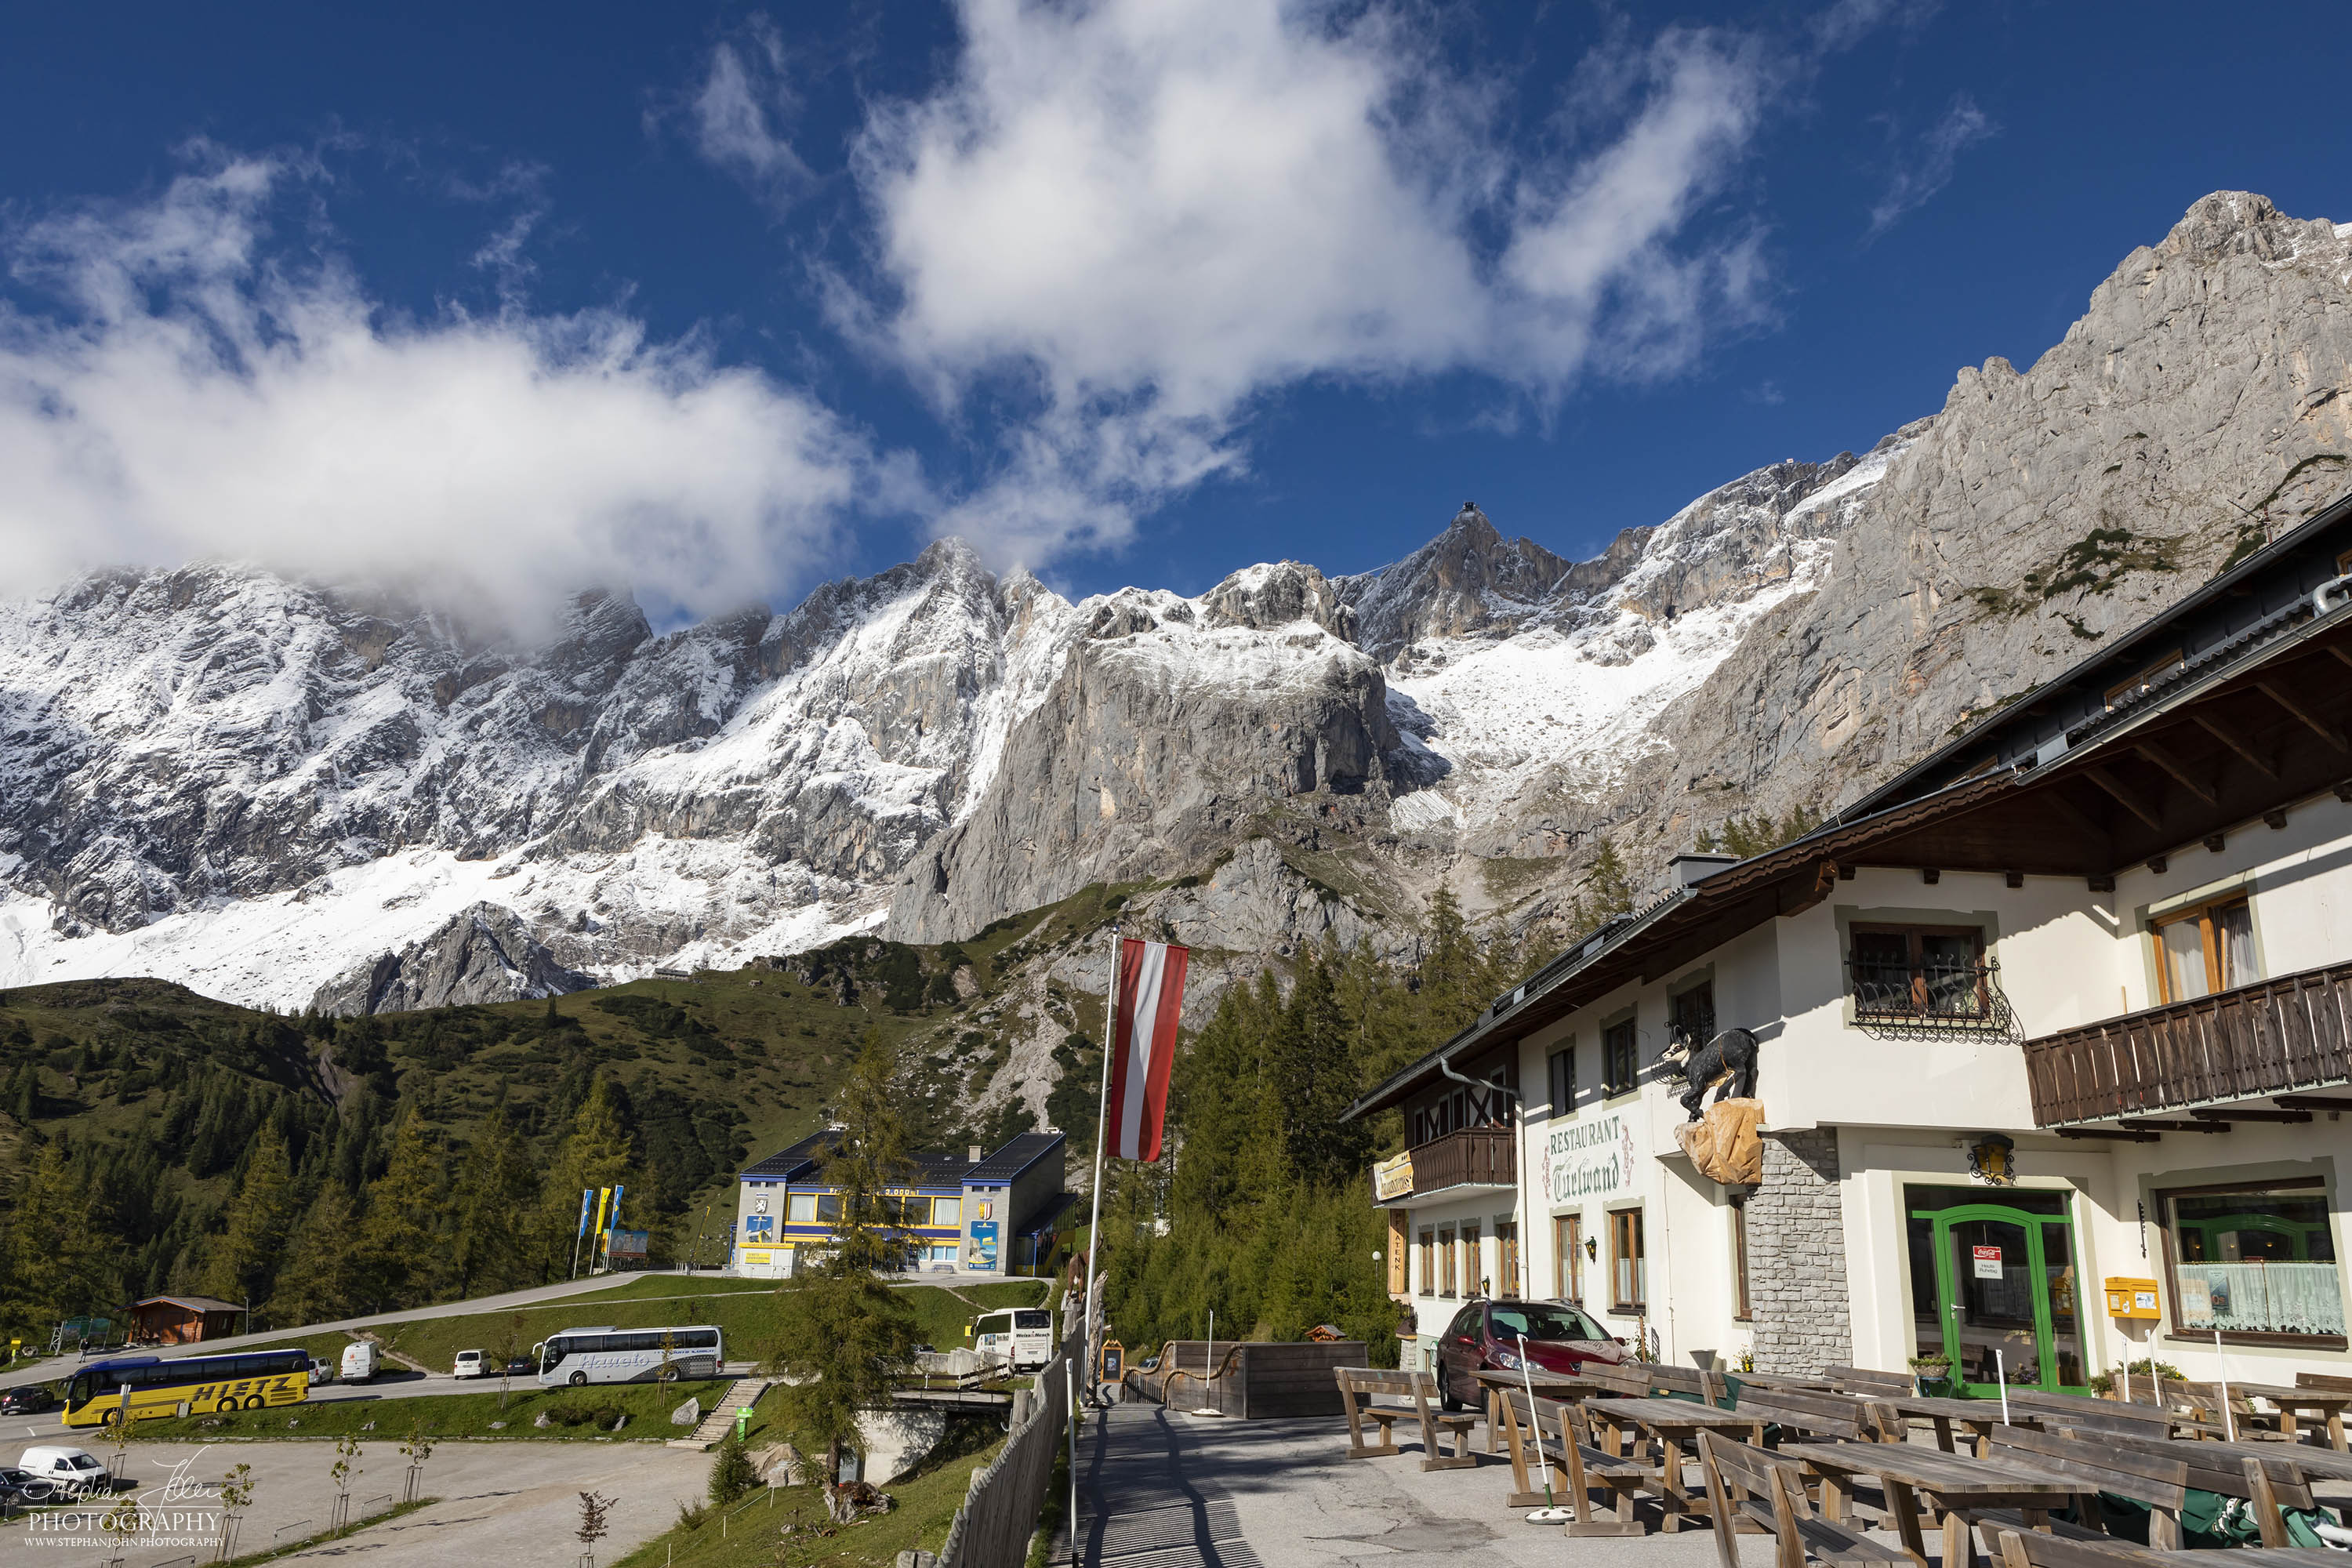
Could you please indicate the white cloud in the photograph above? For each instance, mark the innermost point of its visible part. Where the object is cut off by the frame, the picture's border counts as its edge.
(1141, 218)
(1926, 168)
(743, 96)
(193, 396)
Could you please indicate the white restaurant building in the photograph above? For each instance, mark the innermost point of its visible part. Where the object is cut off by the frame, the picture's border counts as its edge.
(2065, 1008)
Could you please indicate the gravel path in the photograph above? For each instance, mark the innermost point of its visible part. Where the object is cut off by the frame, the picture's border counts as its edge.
(513, 1504)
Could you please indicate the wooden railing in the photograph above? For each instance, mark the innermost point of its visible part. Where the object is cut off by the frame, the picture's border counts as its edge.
(2270, 1037)
(1482, 1156)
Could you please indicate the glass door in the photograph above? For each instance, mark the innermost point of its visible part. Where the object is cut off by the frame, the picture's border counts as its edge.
(1995, 1283)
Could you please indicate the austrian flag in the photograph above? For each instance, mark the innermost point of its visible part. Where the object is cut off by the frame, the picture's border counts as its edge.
(1150, 995)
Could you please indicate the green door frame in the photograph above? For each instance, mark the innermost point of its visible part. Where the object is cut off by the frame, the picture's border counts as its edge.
(1948, 1294)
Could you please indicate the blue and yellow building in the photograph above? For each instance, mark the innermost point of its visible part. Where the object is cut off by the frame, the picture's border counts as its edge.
(984, 1214)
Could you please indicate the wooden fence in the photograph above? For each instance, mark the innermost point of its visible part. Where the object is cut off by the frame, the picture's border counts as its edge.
(2270, 1037)
(1254, 1381)
(1000, 1512)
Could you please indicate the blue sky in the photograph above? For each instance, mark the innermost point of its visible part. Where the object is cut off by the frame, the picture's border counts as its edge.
(727, 300)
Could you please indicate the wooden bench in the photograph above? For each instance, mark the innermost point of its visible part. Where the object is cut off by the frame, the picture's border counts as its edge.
(1422, 1389)
(2015, 1548)
(2157, 1479)
(1845, 1415)
(1690, 1381)
(1745, 1483)
(1865, 1381)
(2268, 1483)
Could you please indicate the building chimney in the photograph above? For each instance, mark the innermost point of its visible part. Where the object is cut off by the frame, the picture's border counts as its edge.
(1687, 870)
(975, 1153)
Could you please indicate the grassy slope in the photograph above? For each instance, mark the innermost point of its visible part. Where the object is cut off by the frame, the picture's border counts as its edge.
(456, 1416)
(745, 1311)
(927, 1501)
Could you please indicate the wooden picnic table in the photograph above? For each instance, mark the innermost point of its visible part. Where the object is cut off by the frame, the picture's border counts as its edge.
(1563, 1386)
(2113, 1414)
(1954, 1485)
(2325, 1405)
(1624, 1426)
(1979, 1416)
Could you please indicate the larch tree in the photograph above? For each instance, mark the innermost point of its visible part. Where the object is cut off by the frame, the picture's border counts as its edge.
(246, 1258)
(847, 1337)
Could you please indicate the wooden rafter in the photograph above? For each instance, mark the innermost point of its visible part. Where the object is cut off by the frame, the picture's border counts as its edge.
(2318, 726)
(2179, 770)
(2214, 729)
(2123, 795)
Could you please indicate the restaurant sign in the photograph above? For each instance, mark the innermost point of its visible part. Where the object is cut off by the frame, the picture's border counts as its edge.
(1589, 1159)
(1393, 1178)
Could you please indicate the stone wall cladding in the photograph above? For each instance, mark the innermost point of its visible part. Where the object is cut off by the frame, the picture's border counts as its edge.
(1795, 1256)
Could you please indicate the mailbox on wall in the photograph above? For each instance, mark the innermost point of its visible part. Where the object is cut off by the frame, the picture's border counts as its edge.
(2131, 1298)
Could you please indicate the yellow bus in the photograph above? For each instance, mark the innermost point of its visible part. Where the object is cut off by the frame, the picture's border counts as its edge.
(96, 1394)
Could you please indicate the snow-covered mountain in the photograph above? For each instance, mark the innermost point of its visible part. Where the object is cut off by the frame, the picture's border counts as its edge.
(283, 794)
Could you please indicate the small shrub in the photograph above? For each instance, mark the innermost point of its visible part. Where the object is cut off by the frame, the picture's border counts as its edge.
(692, 1515)
(599, 1412)
(731, 1471)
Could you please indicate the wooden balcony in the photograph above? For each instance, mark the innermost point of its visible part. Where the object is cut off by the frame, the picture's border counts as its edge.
(2270, 1038)
(1473, 1157)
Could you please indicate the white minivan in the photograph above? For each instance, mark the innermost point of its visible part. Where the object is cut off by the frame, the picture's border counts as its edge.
(469, 1363)
(360, 1358)
(68, 1472)
(1021, 1338)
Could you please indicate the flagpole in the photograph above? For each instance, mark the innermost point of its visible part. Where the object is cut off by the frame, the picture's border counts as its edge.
(1102, 1124)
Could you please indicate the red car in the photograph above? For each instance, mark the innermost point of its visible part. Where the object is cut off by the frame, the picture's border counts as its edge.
(1484, 1337)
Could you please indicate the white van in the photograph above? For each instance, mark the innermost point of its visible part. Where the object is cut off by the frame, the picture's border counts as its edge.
(360, 1358)
(68, 1472)
(1020, 1338)
(469, 1364)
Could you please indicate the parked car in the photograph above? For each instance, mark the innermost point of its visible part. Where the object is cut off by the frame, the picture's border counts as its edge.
(322, 1372)
(28, 1399)
(19, 1487)
(360, 1358)
(1484, 1337)
(56, 1472)
(470, 1363)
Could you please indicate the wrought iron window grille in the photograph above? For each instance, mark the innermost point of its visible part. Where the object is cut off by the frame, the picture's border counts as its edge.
(1927, 1001)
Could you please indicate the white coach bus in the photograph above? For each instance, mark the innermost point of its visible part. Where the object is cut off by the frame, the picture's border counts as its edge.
(578, 1357)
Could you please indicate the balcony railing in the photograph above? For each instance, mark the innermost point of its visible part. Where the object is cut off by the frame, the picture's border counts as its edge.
(2270, 1037)
(1916, 1000)
(1476, 1156)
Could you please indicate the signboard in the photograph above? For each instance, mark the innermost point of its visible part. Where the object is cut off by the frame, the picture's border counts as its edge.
(1113, 1360)
(1589, 1159)
(1393, 1178)
(984, 1243)
(1988, 1260)
(630, 1243)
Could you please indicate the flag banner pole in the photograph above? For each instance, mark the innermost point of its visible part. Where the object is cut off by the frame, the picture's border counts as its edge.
(1102, 1126)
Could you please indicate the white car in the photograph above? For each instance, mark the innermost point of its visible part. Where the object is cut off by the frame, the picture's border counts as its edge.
(360, 1358)
(470, 1363)
(66, 1472)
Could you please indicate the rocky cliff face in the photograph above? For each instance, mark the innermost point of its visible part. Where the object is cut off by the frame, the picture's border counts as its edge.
(278, 794)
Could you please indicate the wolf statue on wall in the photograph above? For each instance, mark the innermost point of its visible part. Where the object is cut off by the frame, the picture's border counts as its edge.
(1729, 1058)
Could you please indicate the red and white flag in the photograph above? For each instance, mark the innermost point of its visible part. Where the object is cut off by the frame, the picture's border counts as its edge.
(1150, 995)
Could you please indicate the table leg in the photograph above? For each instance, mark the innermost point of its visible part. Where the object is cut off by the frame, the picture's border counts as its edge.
(1959, 1544)
(1904, 1504)
(1983, 1430)
(1943, 1433)
(1672, 1502)
(2335, 1429)
(2163, 1529)
(2286, 1422)
(1834, 1497)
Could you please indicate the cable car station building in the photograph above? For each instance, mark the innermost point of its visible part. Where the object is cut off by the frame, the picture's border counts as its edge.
(2051, 1046)
(982, 1215)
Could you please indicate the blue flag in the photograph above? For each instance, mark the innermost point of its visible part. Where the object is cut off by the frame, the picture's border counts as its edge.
(615, 1223)
(587, 1198)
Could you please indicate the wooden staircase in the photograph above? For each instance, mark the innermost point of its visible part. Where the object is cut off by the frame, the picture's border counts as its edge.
(721, 1416)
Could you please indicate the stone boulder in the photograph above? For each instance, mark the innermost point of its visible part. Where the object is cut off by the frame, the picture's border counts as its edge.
(687, 1415)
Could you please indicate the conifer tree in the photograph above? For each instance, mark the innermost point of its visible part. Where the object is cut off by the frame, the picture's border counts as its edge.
(399, 1256)
(847, 1337)
(491, 1206)
(244, 1261)
(318, 1283)
(55, 1262)
(596, 1153)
